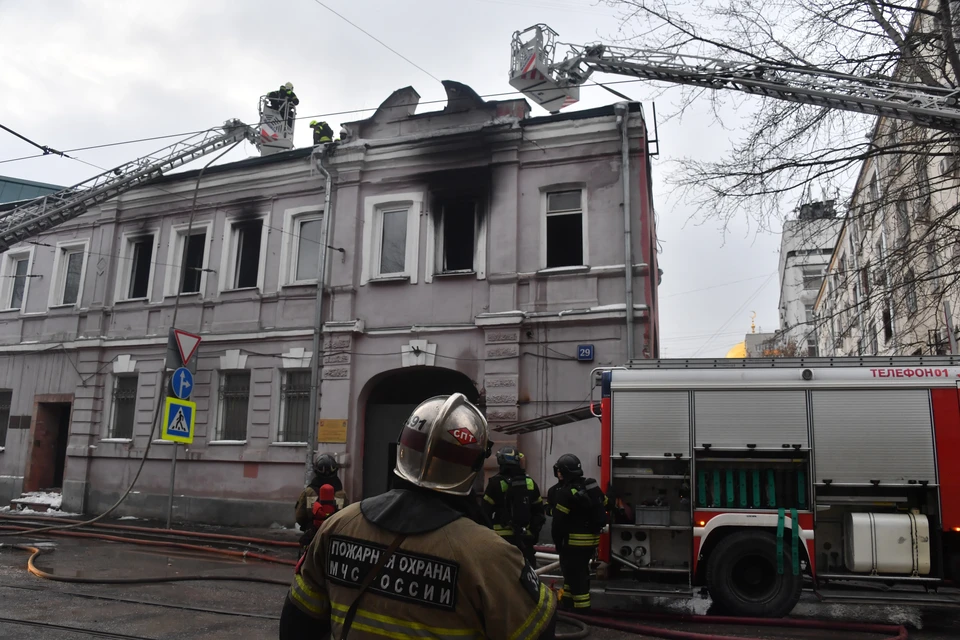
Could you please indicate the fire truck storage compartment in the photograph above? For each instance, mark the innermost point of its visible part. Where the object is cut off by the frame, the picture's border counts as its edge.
(651, 424)
(652, 492)
(897, 543)
(867, 437)
(752, 481)
(757, 419)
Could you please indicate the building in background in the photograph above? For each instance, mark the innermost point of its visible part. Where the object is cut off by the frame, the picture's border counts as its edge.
(473, 249)
(805, 249)
(14, 191)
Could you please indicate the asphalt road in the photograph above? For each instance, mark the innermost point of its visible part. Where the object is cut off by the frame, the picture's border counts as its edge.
(239, 611)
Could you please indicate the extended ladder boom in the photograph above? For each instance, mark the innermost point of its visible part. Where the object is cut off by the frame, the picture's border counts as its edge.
(48, 211)
(554, 85)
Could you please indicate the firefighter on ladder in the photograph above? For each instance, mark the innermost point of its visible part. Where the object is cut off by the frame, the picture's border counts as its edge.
(513, 504)
(579, 510)
(414, 562)
(307, 512)
(284, 101)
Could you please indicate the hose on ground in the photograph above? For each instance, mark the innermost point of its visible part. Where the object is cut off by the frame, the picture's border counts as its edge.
(582, 630)
(40, 573)
(624, 621)
(192, 534)
(153, 543)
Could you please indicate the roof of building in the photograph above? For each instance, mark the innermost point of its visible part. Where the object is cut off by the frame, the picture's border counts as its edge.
(17, 189)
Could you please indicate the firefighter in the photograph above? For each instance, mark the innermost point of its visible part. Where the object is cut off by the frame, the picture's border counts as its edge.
(325, 468)
(579, 510)
(512, 502)
(412, 563)
(322, 132)
(284, 99)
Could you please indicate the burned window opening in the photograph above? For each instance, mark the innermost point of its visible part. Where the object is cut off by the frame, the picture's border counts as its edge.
(140, 269)
(564, 229)
(193, 262)
(248, 253)
(458, 236)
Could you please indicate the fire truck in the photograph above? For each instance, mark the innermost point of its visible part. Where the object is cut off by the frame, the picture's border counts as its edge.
(751, 480)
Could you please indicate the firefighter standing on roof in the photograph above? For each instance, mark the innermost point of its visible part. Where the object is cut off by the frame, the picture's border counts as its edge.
(414, 562)
(579, 510)
(512, 502)
(325, 468)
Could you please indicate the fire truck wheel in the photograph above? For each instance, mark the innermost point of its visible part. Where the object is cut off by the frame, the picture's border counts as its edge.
(743, 580)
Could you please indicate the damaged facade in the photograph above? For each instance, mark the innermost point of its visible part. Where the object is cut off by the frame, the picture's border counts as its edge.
(472, 249)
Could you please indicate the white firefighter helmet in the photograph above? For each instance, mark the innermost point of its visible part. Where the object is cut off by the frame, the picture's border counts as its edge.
(288, 86)
(443, 445)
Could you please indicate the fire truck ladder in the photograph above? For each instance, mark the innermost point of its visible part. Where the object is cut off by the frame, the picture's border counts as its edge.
(555, 85)
(41, 214)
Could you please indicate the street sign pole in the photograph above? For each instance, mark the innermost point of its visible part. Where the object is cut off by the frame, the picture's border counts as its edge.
(173, 477)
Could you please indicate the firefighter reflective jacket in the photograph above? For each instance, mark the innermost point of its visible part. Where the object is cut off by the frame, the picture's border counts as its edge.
(304, 507)
(497, 507)
(451, 578)
(578, 507)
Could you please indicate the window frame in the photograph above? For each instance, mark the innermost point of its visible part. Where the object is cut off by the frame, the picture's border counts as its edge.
(112, 424)
(584, 226)
(60, 265)
(176, 245)
(125, 264)
(804, 268)
(281, 423)
(219, 432)
(228, 252)
(5, 422)
(435, 241)
(290, 248)
(7, 281)
(374, 208)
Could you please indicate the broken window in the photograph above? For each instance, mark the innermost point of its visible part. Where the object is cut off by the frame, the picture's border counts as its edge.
(124, 406)
(393, 242)
(565, 228)
(234, 402)
(140, 267)
(19, 282)
(457, 236)
(247, 236)
(192, 262)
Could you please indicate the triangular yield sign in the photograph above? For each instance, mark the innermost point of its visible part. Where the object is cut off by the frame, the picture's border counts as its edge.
(187, 343)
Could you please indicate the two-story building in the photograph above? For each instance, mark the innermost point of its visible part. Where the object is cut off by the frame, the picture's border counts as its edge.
(473, 249)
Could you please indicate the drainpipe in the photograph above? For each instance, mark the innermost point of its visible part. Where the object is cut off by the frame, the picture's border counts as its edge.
(318, 315)
(622, 109)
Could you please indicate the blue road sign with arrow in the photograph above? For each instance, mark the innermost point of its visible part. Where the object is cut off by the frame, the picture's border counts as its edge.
(182, 383)
(179, 418)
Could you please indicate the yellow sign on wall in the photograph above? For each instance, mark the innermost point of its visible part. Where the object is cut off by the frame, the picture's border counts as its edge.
(332, 431)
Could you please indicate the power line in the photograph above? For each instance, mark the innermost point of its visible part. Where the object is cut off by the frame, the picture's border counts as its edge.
(734, 314)
(364, 31)
(46, 150)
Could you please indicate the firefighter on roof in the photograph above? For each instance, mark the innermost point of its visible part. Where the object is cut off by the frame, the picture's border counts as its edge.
(322, 132)
(512, 502)
(412, 563)
(579, 510)
(325, 468)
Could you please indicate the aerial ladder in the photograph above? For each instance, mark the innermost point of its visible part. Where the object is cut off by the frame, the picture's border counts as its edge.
(555, 84)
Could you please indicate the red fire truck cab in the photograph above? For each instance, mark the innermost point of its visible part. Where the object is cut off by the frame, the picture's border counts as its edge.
(755, 479)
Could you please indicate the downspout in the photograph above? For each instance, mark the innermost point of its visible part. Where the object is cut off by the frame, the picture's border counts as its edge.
(622, 109)
(315, 361)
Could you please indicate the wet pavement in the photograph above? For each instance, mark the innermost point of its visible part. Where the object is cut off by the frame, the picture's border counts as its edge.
(241, 610)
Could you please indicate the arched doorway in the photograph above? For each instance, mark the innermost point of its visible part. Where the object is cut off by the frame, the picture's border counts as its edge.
(391, 399)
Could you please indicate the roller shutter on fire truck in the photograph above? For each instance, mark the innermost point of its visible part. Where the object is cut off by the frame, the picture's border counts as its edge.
(763, 419)
(651, 423)
(862, 436)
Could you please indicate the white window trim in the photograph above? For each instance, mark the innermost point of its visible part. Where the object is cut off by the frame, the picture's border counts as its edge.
(583, 221)
(7, 268)
(125, 263)
(58, 279)
(175, 248)
(435, 245)
(373, 207)
(289, 248)
(228, 253)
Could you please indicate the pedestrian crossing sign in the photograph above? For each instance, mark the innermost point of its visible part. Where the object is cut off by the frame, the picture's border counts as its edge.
(179, 418)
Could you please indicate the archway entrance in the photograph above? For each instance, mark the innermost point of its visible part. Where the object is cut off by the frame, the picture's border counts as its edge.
(389, 403)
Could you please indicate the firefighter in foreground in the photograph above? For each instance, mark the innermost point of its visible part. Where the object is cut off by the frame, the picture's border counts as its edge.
(411, 562)
(512, 502)
(310, 513)
(579, 510)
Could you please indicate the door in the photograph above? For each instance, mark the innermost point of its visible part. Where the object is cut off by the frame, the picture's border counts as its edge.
(382, 428)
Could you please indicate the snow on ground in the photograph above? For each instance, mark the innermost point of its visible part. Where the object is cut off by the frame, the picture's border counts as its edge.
(43, 497)
(128, 518)
(31, 512)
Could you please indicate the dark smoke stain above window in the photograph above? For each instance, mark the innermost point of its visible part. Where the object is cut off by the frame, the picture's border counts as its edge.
(247, 266)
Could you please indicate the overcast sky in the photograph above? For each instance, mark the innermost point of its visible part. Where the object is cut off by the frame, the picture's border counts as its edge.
(76, 73)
